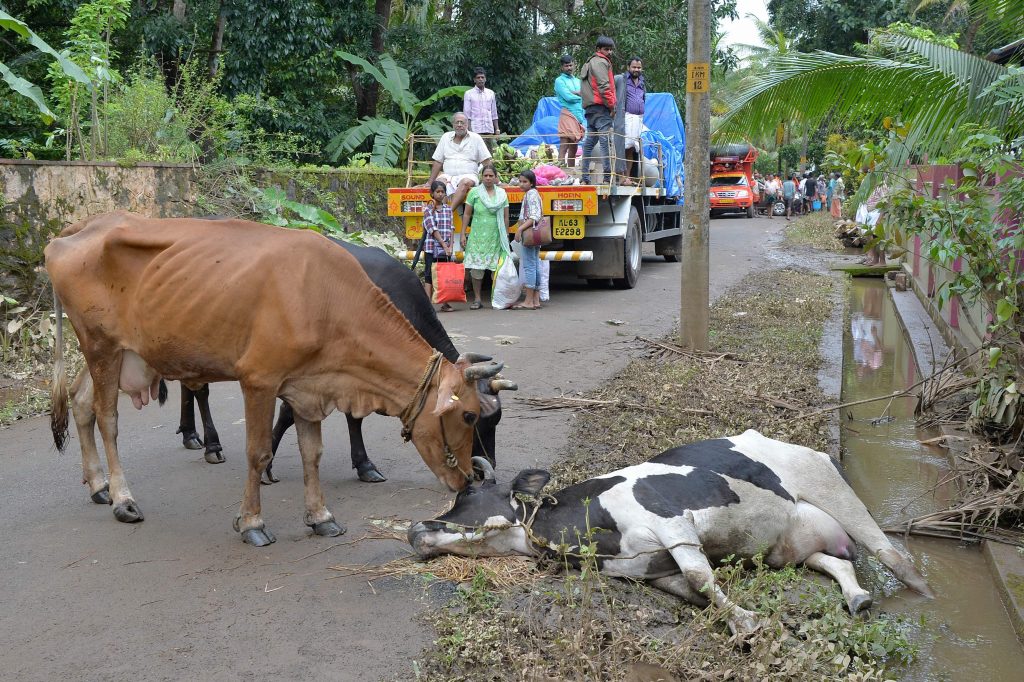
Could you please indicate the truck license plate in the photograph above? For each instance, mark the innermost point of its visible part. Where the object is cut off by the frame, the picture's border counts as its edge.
(567, 227)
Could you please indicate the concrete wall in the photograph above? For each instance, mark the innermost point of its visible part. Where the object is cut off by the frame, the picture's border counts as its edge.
(39, 198)
(962, 324)
(41, 192)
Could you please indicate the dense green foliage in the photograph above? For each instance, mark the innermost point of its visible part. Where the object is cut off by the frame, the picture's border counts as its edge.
(278, 74)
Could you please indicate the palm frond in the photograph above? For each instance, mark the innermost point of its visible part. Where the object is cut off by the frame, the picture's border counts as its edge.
(973, 74)
(1004, 15)
(933, 95)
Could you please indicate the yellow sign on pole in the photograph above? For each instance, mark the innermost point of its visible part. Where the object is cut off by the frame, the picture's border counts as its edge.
(698, 77)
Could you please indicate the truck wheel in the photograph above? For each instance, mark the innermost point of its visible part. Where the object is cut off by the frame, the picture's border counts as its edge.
(632, 249)
(750, 211)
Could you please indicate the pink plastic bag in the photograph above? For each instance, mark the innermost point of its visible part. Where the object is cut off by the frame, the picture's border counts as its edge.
(546, 173)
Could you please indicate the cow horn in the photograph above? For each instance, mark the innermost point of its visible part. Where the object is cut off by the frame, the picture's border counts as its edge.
(474, 372)
(484, 466)
(473, 358)
(502, 384)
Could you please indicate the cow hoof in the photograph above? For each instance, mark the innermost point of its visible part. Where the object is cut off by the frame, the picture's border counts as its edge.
(268, 477)
(371, 475)
(214, 456)
(128, 512)
(859, 603)
(258, 537)
(102, 496)
(329, 528)
(191, 441)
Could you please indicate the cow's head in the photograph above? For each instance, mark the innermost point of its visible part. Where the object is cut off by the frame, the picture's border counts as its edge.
(485, 520)
(444, 434)
(490, 414)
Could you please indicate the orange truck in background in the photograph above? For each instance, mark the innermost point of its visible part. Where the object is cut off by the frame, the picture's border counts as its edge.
(733, 189)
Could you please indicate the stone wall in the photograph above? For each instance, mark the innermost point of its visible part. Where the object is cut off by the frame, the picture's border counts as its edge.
(40, 192)
(39, 198)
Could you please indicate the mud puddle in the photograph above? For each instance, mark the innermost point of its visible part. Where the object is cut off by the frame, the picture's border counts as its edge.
(966, 633)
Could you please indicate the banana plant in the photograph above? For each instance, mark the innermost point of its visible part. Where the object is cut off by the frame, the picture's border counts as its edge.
(390, 135)
(27, 88)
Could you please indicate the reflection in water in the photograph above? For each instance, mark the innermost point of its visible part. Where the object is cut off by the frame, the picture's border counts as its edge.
(866, 333)
(968, 635)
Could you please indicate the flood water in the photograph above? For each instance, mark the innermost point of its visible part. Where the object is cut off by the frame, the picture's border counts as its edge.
(966, 633)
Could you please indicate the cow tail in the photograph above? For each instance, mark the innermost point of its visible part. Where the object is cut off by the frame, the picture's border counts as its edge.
(59, 384)
(162, 392)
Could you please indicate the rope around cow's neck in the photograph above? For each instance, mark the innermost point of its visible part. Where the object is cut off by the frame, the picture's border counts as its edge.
(419, 398)
(419, 401)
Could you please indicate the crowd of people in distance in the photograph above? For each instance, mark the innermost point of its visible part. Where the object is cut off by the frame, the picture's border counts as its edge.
(802, 194)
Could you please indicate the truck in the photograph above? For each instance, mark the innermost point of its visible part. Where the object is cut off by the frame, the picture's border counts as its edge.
(732, 179)
(598, 230)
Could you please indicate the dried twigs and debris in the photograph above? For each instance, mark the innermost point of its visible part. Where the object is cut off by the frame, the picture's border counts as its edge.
(990, 505)
(498, 572)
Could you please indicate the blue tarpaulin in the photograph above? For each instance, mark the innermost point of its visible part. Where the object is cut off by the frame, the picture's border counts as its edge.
(661, 116)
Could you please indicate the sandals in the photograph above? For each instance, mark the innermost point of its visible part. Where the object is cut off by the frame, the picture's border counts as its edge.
(476, 305)
(446, 308)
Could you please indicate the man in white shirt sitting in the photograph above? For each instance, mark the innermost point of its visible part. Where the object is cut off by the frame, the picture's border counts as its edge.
(457, 158)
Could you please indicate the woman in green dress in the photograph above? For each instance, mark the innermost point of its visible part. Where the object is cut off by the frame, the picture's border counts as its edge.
(487, 215)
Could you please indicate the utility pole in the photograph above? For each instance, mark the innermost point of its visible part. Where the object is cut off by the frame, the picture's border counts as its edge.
(694, 314)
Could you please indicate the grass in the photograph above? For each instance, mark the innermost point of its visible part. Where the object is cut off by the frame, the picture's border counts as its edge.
(814, 230)
(583, 626)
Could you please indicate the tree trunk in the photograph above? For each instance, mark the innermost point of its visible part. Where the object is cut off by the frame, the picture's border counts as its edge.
(368, 96)
(972, 30)
(217, 43)
(179, 10)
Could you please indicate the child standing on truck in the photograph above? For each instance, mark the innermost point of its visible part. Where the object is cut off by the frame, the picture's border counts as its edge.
(438, 226)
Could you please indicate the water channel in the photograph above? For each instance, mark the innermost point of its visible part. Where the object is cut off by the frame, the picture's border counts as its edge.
(966, 634)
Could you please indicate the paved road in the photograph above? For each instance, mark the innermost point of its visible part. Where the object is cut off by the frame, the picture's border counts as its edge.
(179, 596)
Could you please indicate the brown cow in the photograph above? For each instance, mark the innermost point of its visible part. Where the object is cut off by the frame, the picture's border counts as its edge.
(282, 312)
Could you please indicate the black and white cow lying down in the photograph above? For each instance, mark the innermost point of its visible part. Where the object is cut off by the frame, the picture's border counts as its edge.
(670, 519)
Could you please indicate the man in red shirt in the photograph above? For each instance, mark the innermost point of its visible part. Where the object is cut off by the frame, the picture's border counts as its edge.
(597, 88)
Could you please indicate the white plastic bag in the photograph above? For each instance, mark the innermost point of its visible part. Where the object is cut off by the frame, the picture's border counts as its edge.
(507, 287)
(545, 280)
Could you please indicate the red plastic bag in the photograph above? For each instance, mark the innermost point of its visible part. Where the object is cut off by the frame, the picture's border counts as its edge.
(449, 282)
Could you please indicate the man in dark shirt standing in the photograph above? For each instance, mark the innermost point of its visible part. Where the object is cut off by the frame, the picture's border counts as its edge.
(636, 95)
